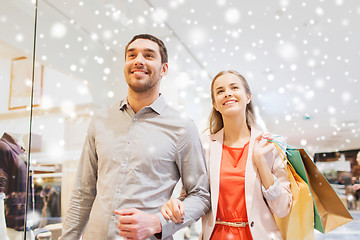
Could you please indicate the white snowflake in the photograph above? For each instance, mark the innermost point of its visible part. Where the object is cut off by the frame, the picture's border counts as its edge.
(159, 15)
(288, 51)
(58, 30)
(19, 37)
(232, 15)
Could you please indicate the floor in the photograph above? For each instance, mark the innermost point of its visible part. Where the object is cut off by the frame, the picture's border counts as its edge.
(349, 231)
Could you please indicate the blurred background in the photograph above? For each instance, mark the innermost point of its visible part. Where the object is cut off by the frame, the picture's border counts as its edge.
(301, 60)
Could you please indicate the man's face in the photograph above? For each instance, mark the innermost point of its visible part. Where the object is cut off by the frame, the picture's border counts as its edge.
(143, 68)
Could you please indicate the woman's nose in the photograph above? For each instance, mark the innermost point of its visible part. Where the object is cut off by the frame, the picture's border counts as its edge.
(228, 93)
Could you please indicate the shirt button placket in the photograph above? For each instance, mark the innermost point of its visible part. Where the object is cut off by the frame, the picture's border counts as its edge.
(123, 164)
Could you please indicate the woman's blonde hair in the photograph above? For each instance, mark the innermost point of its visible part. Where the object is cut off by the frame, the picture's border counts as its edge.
(215, 120)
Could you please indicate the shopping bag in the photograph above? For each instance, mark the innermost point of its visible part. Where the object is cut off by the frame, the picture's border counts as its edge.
(329, 210)
(299, 223)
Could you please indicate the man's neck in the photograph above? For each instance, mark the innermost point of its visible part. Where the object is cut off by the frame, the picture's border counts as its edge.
(139, 100)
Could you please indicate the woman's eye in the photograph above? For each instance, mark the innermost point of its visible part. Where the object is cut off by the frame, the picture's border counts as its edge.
(220, 91)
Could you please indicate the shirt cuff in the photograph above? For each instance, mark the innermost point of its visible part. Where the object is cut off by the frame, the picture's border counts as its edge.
(274, 191)
(166, 227)
(158, 235)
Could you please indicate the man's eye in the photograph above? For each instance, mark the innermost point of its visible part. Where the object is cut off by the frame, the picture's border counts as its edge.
(220, 91)
(149, 56)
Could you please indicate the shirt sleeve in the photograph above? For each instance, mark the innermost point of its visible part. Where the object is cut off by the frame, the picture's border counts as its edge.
(191, 164)
(84, 191)
(3, 181)
(3, 167)
(273, 192)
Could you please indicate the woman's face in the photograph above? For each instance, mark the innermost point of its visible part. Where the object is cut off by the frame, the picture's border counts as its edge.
(229, 95)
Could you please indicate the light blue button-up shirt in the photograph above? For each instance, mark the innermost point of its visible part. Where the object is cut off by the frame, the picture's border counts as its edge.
(134, 161)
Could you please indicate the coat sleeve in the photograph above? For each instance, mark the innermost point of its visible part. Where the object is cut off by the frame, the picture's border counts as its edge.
(281, 204)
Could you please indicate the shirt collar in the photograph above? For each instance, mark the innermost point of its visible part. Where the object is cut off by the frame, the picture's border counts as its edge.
(11, 142)
(124, 104)
(157, 106)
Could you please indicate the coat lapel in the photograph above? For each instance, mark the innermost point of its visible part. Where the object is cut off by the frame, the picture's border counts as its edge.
(250, 173)
(215, 162)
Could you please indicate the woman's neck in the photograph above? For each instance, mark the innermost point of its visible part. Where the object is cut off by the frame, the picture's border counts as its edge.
(236, 132)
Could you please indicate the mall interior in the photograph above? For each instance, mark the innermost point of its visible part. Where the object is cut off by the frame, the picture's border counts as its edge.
(62, 60)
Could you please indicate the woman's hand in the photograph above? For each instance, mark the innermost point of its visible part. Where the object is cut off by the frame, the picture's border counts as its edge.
(174, 210)
(261, 148)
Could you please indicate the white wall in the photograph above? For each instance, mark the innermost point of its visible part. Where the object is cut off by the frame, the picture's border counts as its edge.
(5, 73)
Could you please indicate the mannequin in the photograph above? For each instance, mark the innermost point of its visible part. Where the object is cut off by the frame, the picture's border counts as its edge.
(13, 169)
(3, 234)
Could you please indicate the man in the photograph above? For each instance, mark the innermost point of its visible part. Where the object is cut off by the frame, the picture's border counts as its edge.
(133, 156)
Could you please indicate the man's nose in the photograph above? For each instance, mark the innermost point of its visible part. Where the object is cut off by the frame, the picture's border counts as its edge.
(139, 60)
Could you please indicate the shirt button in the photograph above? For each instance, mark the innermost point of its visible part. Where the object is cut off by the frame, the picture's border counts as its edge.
(118, 190)
(135, 119)
(252, 224)
(123, 164)
(129, 141)
(113, 218)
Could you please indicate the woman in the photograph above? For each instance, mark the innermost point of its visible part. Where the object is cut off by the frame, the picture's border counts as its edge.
(248, 180)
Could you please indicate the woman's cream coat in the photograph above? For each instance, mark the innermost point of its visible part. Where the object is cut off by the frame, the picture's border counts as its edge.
(259, 211)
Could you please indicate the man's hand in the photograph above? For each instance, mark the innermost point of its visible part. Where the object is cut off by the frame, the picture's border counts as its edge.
(136, 224)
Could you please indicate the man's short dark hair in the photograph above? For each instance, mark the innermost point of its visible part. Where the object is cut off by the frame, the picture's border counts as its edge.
(163, 51)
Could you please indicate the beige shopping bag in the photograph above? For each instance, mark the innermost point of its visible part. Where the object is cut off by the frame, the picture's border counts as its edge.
(299, 223)
(330, 208)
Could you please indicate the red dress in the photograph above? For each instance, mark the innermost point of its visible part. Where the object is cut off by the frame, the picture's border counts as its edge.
(231, 204)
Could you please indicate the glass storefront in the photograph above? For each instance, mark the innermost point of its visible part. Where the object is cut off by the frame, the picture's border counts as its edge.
(79, 57)
(16, 51)
(62, 60)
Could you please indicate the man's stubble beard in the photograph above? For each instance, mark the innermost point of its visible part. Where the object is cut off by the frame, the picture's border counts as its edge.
(144, 87)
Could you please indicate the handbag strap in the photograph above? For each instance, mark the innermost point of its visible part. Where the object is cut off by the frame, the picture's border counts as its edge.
(282, 155)
(283, 145)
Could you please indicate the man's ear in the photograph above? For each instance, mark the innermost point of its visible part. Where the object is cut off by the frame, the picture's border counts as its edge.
(164, 69)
